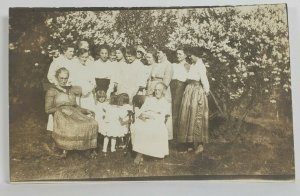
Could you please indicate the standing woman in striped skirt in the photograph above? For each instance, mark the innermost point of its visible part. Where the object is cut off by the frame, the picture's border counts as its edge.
(193, 113)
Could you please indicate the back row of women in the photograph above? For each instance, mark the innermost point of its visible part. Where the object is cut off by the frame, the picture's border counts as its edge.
(175, 106)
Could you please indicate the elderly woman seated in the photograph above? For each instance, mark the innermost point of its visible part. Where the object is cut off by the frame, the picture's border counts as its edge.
(74, 127)
(149, 132)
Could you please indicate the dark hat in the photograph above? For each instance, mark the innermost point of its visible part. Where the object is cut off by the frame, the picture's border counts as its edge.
(102, 84)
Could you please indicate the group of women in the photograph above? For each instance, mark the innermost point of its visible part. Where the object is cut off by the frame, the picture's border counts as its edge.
(174, 96)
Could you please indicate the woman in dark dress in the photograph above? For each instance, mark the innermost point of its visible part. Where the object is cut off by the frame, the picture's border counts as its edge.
(177, 86)
(193, 113)
(74, 127)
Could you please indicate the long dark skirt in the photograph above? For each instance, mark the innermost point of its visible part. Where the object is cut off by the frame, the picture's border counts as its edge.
(177, 89)
(193, 115)
(74, 130)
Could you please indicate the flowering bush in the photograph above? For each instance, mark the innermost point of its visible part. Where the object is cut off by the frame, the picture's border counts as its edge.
(245, 48)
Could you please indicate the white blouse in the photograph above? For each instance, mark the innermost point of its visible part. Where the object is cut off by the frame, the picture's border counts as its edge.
(105, 70)
(58, 63)
(128, 81)
(164, 71)
(180, 72)
(102, 69)
(144, 75)
(198, 72)
(83, 76)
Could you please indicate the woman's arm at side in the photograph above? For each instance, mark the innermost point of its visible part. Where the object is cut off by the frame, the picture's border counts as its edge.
(204, 79)
(168, 74)
(51, 72)
(50, 107)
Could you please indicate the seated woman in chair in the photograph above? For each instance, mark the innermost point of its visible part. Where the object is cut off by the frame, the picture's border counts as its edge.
(74, 127)
(149, 132)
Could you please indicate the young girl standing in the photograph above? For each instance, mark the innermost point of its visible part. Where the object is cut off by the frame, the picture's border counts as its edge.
(115, 121)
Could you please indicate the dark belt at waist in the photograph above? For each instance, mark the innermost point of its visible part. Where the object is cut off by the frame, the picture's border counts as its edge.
(156, 79)
(192, 82)
(177, 82)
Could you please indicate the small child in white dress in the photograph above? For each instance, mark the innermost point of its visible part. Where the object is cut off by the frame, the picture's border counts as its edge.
(101, 106)
(114, 120)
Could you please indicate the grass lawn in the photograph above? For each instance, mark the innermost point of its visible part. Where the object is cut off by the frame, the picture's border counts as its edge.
(260, 150)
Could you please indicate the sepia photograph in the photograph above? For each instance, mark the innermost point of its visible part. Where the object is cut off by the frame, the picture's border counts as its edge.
(150, 93)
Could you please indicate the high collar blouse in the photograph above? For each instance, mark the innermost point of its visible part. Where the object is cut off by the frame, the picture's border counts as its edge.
(83, 76)
(197, 72)
(164, 71)
(102, 69)
(58, 63)
(180, 72)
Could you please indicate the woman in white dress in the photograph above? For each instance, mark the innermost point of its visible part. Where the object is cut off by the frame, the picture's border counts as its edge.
(65, 60)
(83, 44)
(103, 71)
(116, 65)
(83, 76)
(145, 71)
(129, 81)
(149, 132)
(144, 77)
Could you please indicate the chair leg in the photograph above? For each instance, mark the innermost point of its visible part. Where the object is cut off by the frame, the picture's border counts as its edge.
(138, 159)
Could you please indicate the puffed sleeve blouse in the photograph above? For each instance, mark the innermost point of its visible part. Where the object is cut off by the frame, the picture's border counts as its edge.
(198, 72)
(164, 71)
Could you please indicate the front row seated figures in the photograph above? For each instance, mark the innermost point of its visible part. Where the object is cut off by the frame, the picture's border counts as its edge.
(112, 118)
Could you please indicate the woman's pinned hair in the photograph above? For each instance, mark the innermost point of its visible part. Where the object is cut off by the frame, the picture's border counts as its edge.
(131, 51)
(60, 70)
(102, 46)
(151, 51)
(182, 49)
(196, 51)
(122, 49)
(82, 51)
(120, 99)
(164, 49)
(64, 47)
